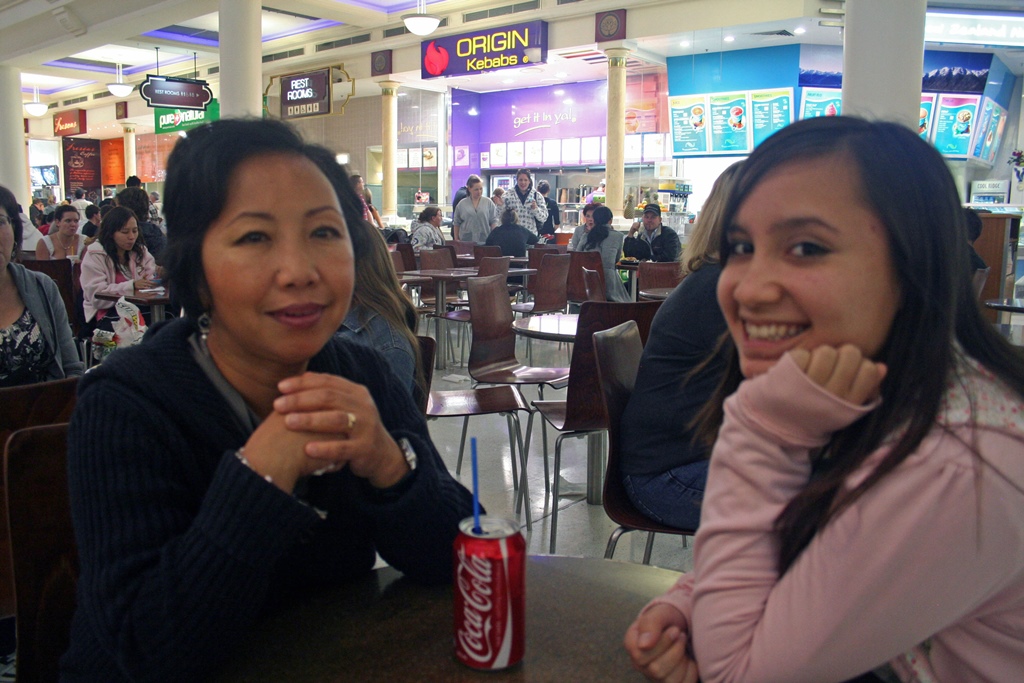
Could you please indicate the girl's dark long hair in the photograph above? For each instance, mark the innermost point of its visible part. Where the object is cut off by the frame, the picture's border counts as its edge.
(602, 220)
(905, 181)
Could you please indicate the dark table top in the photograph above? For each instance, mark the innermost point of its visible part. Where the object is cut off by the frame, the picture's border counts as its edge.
(1009, 305)
(140, 298)
(559, 327)
(386, 628)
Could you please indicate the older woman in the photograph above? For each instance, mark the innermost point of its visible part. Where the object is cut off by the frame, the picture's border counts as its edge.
(35, 338)
(116, 263)
(194, 457)
(63, 240)
(425, 231)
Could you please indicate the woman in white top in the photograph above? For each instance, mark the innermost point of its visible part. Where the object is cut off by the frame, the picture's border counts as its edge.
(474, 216)
(65, 241)
(528, 204)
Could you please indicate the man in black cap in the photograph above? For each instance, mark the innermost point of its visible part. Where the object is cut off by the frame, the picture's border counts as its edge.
(655, 242)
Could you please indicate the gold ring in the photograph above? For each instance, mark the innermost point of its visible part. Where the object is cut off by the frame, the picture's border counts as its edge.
(351, 422)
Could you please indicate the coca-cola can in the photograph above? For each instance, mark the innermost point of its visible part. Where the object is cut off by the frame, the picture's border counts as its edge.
(490, 593)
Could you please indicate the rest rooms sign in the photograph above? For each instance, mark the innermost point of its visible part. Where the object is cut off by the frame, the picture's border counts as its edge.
(174, 120)
(307, 94)
(505, 47)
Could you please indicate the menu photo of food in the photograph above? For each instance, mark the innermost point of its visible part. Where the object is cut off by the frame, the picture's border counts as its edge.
(462, 155)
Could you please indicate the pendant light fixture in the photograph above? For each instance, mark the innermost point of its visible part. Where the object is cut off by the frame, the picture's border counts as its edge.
(35, 107)
(421, 23)
(120, 88)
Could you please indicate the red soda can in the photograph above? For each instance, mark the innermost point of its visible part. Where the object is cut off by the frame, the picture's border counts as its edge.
(490, 593)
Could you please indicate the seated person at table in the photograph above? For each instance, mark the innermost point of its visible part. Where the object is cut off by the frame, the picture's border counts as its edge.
(974, 227)
(381, 315)
(242, 456)
(510, 236)
(35, 337)
(136, 199)
(63, 239)
(655, 242)
(116, 263)
(425, 231)
(580, 233)
(865, 501)
(604, 239)
(93, 216)
(664, 465)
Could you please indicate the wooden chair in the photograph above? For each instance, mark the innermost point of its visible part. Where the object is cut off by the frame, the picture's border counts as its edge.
(651, 275)
(582, 412)
(617, 353)
(61, 271)
(462, 246)
(549, 292)
(408, 256)
(534, 259)
(481, 251)
(465, 403)
(593, 282)
(488, 266)
(398, 261)
(576, 289)
(42, 547)
(31, 405)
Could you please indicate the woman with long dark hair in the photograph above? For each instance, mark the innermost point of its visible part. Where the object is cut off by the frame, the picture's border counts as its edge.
(602, 238)
(865, 500)
(529, 205)
(116, 263)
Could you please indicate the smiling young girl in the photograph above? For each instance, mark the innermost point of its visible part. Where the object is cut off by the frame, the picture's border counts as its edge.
(865, 500)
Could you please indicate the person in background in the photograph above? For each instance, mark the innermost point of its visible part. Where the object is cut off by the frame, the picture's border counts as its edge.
(974, 227)
(529, 205)
(242, 456)
(461, 194)
(497, 197)
(596, 195)
(360, 188)
(35, 337)
(117, 263)
(93, 216)
(137, 201)
(580, 233)
(35, 212)
(80, 202)
(475, 219)
(655, 242)
(852, 442)
(133, 181)
(553, 221)
(664, 465)
(374, 216)
(604, 239)
(156, 215)
(510, 236)
(426, 229)
(63, 240)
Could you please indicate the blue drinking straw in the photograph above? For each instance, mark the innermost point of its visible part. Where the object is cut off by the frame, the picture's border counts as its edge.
(476, 488)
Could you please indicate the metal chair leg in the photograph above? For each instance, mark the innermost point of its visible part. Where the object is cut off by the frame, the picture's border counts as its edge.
(512, 452)
(649, 547)
(462, 445)
(613, 541)
(524, 486)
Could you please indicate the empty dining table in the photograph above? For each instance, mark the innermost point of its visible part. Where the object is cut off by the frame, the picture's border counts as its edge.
(385, 628)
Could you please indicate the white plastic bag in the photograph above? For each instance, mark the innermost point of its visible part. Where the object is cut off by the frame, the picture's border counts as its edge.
(131, 326)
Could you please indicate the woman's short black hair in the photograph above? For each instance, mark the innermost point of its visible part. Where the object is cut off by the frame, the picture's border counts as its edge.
(13, 209)
(509, 216)
(428, 213)
(58, 213)
(199, 173)
(603, 215)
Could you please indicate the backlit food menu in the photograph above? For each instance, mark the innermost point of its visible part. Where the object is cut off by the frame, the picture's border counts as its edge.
(989, 131)
(924, 124)
(689, 124)
(770, 110)
(730, 126)
(821, 102)
(954, 124)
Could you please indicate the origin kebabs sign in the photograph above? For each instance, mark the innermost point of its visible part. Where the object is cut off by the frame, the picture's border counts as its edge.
(504, 47)
(175, 93)
(306, 94)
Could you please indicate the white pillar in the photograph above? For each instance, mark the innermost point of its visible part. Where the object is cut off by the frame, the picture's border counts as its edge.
(883, 59)
(241, 59)
(389, 147)
(129, 150)
(14, 159)
(615, 163)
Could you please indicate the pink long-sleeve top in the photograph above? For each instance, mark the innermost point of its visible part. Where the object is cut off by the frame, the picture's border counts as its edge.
(934, 551)
(99, 275)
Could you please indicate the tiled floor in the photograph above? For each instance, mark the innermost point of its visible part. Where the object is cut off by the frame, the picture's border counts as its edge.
(583, 529)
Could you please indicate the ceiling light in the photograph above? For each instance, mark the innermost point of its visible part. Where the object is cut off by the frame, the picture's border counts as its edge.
(421, 23)
(799, 30)
(35, 107)
(684, 43)
(120, 88)
(729, 39)
(472, 111)
(567, 101)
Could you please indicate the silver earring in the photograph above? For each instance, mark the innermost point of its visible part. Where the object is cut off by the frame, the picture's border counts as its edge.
(204, 326)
